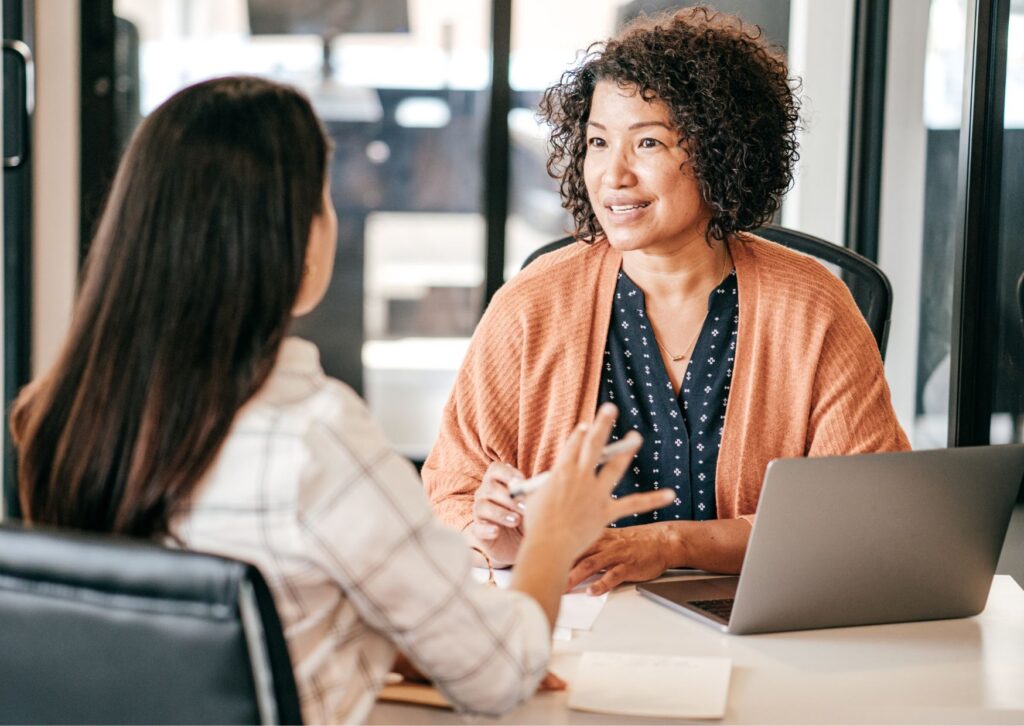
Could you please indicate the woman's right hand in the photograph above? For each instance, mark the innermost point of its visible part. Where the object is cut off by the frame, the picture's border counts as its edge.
(497, 519)
(571, 510)
(576, 505)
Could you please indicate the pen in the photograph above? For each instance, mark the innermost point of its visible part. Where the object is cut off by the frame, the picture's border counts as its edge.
(527, 486)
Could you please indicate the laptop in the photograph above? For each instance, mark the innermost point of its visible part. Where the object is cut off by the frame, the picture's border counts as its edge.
(865, 539)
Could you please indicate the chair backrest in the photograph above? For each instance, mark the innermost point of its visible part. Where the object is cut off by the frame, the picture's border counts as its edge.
(106, 630)
(867, 283)
(1020, 299)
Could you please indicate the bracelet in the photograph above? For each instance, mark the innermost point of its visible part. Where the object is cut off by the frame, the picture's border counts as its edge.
(490, 568)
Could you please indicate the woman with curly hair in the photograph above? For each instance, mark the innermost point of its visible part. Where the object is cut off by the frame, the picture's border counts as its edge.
(672, 141)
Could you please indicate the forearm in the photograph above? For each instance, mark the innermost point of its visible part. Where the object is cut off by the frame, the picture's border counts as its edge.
(451, 497)
(716, 545)
(541, 571)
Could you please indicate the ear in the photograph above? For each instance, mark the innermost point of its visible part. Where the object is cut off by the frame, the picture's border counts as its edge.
(319, 260)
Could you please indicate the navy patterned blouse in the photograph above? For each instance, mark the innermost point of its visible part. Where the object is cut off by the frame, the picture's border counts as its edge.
(681, 434)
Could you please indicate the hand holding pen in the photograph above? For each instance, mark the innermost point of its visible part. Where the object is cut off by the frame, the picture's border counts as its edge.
(629, 444)
(499, 504)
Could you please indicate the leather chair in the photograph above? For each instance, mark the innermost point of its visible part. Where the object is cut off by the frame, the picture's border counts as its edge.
(107, 630)
(868, 284)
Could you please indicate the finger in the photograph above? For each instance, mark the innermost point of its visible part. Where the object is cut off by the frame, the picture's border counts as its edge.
(490, 513)
(584, 569)
(501, 473)
(591, 551)
(597, 436)
(570, 451)
(613, 469)
(499, 495)
(485, 532)
(638, 503)
(551, 682)
(608, 581)
(603, 542)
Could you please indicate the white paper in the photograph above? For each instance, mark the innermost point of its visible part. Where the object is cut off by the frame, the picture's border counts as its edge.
(654, 686)
(563, 634)
(578, 610)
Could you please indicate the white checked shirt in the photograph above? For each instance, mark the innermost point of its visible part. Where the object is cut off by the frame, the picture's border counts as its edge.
(307, 489)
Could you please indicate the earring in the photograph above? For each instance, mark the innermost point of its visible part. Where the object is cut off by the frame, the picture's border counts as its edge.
(308, 269)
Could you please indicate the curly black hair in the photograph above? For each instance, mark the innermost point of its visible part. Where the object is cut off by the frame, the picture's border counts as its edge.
(728, 93)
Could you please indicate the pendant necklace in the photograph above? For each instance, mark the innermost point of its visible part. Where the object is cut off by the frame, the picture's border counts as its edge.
(687, 349)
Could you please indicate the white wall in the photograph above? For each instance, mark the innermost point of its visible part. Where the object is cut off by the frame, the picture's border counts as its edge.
(55, 182)
(901, 227)
(820, 52)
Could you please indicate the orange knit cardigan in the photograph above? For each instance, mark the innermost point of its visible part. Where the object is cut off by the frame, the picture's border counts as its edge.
(807, 378)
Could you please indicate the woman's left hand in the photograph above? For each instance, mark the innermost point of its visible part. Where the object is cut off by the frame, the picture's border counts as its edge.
(627, 554)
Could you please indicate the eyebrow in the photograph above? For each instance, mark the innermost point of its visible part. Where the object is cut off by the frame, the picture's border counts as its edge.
(637, 125)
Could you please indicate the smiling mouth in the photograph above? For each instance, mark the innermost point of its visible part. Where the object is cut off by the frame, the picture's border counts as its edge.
(619, 208)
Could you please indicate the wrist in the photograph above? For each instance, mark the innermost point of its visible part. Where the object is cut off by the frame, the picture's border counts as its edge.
(552, 545)
(675, 543)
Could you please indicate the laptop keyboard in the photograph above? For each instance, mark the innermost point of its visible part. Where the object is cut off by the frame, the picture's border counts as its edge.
(719, 608)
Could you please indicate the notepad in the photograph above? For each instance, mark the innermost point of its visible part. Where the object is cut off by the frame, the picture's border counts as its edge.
(419, 694)
(652, 686)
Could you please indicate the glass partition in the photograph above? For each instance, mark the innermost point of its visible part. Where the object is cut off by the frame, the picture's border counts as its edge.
(402, 87)
(1008, 392)
(548, 37)
(924, 104)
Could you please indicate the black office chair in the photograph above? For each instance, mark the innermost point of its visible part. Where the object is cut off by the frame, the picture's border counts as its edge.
(868, 284)
(1020, 299)
(106, 630)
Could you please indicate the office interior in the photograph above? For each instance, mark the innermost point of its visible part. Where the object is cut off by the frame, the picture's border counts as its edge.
(911, 154)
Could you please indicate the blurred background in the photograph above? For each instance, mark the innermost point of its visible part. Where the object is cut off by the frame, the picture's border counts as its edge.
(439, 172)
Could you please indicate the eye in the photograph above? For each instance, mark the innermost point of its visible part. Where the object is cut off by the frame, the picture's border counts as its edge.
(648, 143)
(595, 142)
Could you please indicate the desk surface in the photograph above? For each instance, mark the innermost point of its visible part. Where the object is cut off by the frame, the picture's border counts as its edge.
(949, 671)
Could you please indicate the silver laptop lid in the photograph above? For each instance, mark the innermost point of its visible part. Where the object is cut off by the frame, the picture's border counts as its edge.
(876, 538)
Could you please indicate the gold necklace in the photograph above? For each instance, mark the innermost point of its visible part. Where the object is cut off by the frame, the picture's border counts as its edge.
(693, 342)
(677, 358)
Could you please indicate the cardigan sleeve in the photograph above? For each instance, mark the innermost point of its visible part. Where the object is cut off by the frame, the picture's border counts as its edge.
(479, 424)
(851, 410)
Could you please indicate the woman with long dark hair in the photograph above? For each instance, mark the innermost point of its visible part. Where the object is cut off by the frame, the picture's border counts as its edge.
(179, 410)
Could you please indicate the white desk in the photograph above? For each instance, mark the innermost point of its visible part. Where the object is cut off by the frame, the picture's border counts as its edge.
(949, 671)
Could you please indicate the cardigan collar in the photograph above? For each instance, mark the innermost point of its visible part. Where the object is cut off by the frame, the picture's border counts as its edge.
(611, 261)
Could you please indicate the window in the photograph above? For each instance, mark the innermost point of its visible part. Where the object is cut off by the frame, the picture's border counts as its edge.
(402, 88)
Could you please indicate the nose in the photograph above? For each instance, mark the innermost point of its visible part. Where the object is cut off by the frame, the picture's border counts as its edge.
(618, 172)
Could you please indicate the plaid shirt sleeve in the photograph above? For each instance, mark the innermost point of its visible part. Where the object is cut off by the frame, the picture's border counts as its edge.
(408, 575)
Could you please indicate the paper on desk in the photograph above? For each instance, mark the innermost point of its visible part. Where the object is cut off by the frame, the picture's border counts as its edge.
(653, 686)
(578, 610)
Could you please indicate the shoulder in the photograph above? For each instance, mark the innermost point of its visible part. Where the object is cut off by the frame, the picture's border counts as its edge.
(333, 438)
(788, 279)
(554, 275)
(557, 286)
(298, 398)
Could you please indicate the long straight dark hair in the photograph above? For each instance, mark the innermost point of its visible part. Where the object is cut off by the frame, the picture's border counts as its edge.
(185, 299)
